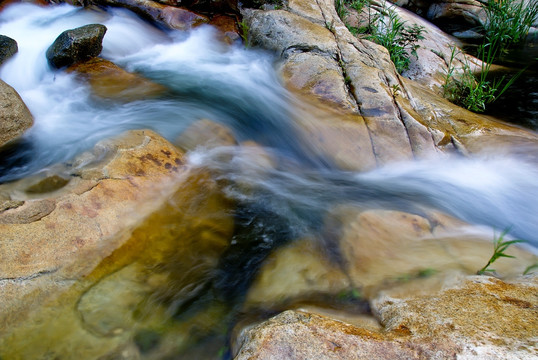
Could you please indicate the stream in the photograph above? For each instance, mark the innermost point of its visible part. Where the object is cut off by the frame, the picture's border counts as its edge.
(238, 87)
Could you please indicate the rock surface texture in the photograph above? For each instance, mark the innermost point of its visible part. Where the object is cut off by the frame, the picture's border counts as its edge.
(477, 318)
(8, 48)
(389, 117)
(16, 118)
(76, 45)
(76, 255)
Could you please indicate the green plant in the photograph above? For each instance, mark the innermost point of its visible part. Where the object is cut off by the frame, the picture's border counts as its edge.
(529, 268)
(474, 92)
(341, 9)
(244, 29)
(358, 5)
(508, 23)
(400, 40)
(499, 246)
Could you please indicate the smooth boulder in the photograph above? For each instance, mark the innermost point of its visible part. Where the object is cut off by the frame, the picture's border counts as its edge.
(16, 118)
(76, 45)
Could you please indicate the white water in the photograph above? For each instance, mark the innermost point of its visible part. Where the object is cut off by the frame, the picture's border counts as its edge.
(207, 79)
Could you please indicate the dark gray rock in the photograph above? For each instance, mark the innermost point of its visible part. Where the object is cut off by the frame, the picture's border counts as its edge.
(76, 45)
(8, 48)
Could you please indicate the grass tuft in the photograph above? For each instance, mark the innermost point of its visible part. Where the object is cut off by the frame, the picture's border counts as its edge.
(499, 247)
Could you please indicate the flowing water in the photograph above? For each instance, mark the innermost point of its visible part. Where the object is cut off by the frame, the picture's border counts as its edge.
(206, 79)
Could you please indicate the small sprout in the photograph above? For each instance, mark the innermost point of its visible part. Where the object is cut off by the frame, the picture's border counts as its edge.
(499, 246)
(243, 26)
(427, 272)
(530, 268)
(350, 294)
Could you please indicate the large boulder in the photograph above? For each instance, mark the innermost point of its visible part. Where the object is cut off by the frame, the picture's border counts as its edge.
(8, 48)
(16, 118)
(474, 318)
(76, 45)
(387, 116)
(130, 232)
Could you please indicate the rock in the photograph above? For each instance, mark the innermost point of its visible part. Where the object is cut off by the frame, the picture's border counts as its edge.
(382, 248)
(287, 33)
(485, 317)
(8, 48)
(454, 16)
(430, 66)
(301, 335)
(293, 273)
(205, 133)
(109, 81)
(168, 16)
(227, 27)
(391, 117)
(204, 6)
(16, 118)
(479, 317)
(133, 232)
(76, 45)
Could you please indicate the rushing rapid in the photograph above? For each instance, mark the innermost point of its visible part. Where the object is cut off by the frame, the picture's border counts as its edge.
(238, 87)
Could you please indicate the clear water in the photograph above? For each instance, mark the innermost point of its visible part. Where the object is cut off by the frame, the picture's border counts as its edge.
(238, 87)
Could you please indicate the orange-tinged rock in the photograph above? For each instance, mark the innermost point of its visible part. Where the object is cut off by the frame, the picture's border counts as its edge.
(227, 27)
(109, 81)
(133, 233)
(477, 317)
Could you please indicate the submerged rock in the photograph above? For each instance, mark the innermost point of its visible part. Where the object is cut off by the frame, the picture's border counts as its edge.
(109, 81)
(8, 48)
(16, 118)
(132, 236)
(76, 45)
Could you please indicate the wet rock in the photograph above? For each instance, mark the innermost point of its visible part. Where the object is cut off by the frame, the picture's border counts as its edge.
(341, 137)
(454, 16)
(205, 133)
(109, 81)
(287, 33)
(485, 317)
(16, 118)
(383, 248)
(227, 27)
(76, 45)
(476, 317)
(8, 48)
(391, 117)
(27, 213)
(294, 272)
(131, 237)
(302, 335)
(163, 15)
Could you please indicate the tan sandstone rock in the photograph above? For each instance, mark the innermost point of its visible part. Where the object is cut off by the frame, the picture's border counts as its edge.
(476, 318)
(15, 116)
(133, 232)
